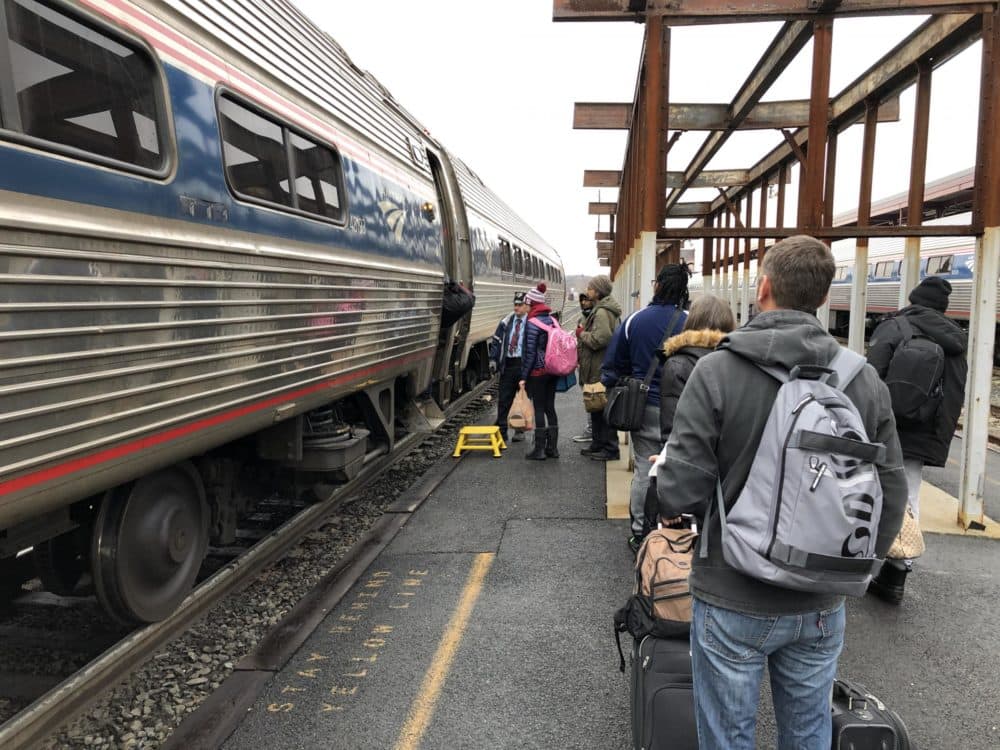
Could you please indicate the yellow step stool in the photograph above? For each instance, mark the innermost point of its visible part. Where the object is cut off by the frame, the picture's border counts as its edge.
(479, 438)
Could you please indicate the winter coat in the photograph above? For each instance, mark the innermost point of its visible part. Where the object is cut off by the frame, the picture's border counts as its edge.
(593, 340)
(717, 429)
(682, 352)
(637, 340)
(500, 341)
(927, 442)
(535, 341)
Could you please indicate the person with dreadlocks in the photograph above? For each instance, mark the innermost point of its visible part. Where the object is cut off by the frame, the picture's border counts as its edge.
(637, 340)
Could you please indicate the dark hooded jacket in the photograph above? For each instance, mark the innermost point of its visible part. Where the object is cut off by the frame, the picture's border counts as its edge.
(682, 352)
(716, 432)
(927, 442)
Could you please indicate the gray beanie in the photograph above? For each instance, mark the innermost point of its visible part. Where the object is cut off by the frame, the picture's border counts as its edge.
(601, 284)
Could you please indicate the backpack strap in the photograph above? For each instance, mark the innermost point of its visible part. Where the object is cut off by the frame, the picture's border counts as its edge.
(540, 324)
(905, 328)
(846, 365)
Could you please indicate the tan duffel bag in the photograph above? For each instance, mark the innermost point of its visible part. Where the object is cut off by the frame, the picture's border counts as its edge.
(595, 396)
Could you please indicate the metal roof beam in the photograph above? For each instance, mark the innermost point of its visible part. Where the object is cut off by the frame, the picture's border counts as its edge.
(939, 39)
(923, 230)
(686, 12)
(678, 211)
(710, 178)
(763, 116)
(786, 45)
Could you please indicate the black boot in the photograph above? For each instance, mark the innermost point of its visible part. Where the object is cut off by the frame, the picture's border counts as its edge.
(551, 443)
(538, 449)
(888, 584)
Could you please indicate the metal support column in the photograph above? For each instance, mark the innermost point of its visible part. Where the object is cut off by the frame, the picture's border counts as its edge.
(811, 187)
(708, 260)
(646, 266)
(982, 324)
(910, 268)
(859, 288)
(745, 291)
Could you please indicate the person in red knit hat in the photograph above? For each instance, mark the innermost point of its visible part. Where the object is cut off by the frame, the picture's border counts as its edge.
(541, 386)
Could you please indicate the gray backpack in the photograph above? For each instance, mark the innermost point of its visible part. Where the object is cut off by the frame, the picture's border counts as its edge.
(807, 517)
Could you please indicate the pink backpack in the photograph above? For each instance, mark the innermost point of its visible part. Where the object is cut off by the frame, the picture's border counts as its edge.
(560, 351)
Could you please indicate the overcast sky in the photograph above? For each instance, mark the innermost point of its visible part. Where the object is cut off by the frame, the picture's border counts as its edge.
(495, 82)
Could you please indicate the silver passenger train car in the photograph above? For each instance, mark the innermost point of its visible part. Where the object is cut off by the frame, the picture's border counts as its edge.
(951, 258)
(222, 245)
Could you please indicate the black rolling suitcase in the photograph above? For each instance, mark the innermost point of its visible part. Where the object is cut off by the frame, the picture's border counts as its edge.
(662, 695)
(862, 722)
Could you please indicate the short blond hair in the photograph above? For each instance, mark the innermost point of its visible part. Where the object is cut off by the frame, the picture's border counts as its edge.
(708, 311)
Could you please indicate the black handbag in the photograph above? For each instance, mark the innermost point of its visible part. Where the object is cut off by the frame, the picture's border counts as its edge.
(626, 405)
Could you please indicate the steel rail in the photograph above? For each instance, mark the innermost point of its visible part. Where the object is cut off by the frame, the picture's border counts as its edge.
(76, 693)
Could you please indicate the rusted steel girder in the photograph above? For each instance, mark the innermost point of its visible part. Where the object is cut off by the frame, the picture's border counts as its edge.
(918, 158)
(786, 45)
(655, 123)
(986, 205)
(811, 184)
(762, 116)
(936, 40)
(833, 233)
(686, 12)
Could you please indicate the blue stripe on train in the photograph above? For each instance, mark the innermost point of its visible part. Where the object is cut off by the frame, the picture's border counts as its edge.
(199, 176)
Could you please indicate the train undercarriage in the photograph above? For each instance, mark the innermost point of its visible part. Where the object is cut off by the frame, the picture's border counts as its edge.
(139, 546)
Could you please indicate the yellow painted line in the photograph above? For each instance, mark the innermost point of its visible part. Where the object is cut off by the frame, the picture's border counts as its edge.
(419, 717)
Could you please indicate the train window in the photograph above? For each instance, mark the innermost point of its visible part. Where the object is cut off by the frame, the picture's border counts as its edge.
(939, 264)
(317, 178)
(506, 259)
(253, 149)
(518, 262)
(82, 88)
(871, 270)
(266, 161)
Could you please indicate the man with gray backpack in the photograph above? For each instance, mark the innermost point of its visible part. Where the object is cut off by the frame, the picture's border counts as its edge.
(785, 445)
(920, 355)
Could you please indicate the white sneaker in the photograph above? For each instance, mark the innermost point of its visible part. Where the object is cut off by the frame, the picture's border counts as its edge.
(586, 437)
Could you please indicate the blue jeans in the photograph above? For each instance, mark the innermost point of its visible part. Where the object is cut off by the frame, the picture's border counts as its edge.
(729, 651)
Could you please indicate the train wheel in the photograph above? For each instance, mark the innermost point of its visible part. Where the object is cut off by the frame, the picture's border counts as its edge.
(148, 544)
(61, 562)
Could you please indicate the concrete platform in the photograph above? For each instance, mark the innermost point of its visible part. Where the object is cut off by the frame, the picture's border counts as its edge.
(486, 623)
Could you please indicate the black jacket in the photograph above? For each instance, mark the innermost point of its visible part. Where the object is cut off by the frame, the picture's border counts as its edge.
(929, 442)
(682, 352)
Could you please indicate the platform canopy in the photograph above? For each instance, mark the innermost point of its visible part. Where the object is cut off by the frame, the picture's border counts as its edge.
(748, 211)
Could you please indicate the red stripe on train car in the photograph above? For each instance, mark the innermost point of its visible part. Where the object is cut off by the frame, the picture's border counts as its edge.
(86, 462)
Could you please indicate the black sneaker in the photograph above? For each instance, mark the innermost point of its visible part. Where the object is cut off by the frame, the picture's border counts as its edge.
(605, 455)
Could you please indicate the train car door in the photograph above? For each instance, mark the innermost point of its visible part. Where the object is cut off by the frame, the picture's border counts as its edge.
(457, 258)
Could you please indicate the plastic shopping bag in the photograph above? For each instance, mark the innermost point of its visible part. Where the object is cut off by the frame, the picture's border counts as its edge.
(522, 414)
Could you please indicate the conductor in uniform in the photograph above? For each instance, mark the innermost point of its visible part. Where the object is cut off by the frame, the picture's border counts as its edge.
(506, 347)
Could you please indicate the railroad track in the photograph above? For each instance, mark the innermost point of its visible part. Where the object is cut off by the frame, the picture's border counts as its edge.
(66, 700)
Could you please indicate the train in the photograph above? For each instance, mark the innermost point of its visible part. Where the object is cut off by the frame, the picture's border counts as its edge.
(223, 246)
(951, 258)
